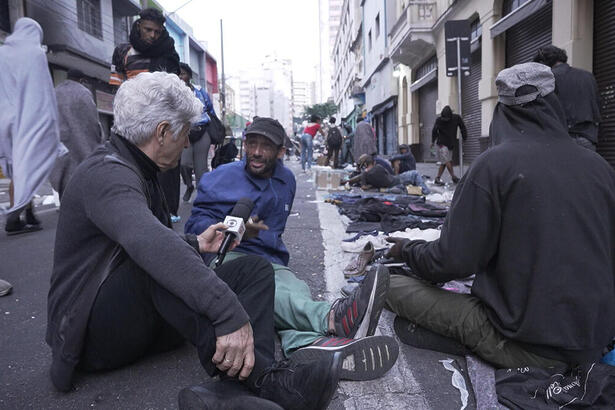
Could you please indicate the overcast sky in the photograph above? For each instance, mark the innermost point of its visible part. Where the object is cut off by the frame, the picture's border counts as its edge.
(253, 29)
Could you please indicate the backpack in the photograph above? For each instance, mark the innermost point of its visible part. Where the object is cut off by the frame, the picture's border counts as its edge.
(334, 138)
(215, 129)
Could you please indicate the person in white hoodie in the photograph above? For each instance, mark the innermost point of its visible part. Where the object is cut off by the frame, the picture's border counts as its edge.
(29, 137)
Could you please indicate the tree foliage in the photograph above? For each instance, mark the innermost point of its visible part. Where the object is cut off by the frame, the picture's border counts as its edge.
(322, 110)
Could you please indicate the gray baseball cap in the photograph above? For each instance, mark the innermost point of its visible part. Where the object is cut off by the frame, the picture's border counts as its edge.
(534, 74)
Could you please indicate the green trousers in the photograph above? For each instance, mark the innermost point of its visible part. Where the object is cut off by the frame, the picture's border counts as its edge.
(298, 318)
(461, 317)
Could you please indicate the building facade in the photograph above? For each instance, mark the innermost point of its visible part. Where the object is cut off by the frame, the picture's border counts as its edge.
(348, 70)
(304, 95)
(82, 35)
(378, 82)
(503, 33)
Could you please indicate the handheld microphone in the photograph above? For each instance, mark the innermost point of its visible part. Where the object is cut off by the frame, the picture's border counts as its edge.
(236, 227)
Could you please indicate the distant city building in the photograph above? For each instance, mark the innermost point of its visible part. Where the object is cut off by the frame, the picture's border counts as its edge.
(329, 13)
(304, 95)
(348, 70)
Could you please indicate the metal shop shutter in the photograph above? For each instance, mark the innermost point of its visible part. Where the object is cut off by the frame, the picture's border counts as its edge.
(525, 38)
(428, 94)
(604, 70)
(471, 106)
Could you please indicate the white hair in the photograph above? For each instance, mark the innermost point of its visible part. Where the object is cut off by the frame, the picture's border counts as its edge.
(148, 99)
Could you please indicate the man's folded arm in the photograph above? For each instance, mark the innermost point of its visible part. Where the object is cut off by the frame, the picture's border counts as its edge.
(119, 208)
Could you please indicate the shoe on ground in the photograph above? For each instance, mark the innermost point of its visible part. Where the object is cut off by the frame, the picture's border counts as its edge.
(5, 288)
(363, 359)
(357, 266)
(31, 219)
(455, 180)
(349, 289)
(438, 181)
(221, 395)
(175, 218)
(20, 228)
(188, 193)
(357, 315)
(296, 385)
(421, 338)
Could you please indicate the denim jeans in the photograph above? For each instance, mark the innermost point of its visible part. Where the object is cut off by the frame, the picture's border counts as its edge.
(306, 151)
(413, 178)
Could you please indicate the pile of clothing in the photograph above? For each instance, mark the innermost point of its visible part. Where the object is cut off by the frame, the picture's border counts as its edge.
(372, 217)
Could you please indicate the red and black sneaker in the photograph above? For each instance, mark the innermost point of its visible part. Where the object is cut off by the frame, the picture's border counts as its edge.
(363, 359)
(357, 315)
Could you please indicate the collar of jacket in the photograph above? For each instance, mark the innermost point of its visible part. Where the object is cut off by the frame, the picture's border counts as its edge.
(263, 183)
(132, 153)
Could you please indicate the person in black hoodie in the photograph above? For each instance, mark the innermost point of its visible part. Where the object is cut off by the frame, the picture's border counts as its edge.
(578, 93)
(444, 134)
(533, 218)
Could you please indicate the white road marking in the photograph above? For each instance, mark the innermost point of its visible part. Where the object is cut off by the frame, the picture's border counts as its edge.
(398, 389)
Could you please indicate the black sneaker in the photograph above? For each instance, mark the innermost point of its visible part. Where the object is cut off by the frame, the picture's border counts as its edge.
(363, 359)
(188, 193)
(438, 181)
(302, 386)
(222, 395)
(357, 315)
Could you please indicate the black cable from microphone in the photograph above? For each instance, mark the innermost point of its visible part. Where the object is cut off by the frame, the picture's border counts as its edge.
(242, 209)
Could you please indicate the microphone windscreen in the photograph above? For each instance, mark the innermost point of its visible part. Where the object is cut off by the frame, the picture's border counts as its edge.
(243, 209)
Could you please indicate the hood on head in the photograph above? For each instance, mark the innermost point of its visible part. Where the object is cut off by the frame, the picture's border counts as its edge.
(26, 30)
(446, 112)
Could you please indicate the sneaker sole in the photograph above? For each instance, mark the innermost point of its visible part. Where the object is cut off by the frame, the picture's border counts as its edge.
(375, 305)
(363, 359)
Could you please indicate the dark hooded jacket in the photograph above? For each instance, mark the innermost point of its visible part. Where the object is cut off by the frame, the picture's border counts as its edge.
(578, 93)
(445, 129)
(534, 218)
(158, 56)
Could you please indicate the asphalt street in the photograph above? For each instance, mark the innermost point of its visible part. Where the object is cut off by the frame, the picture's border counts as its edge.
(312, 236)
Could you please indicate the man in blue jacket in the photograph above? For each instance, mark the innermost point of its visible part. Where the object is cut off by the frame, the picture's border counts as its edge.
(313, 327)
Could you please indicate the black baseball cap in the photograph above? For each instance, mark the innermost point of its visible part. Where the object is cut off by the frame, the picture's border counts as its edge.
(267, 127)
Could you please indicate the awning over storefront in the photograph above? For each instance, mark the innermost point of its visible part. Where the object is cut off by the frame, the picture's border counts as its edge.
(424, 80)
(516, 16)
(385, 105)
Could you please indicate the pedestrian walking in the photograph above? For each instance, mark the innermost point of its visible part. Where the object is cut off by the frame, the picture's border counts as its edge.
(364, 139)
(444, 135)
(578, 94)
(307, 141)
(196, 156)
(80, 129)
(29, 141)
(151, 48)
(347, 146)
(334, 143)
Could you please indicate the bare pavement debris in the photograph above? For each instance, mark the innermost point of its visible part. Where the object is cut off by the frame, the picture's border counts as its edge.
(418, 380)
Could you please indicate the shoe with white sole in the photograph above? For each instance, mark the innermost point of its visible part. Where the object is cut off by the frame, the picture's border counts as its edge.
(363, 359)
(357, 315)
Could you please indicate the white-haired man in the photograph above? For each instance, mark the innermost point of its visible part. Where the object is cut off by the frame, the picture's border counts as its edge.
(124, 284)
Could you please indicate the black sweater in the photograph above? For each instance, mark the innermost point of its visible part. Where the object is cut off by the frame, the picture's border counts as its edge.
(444, 131)
(534, 218)
(112, 208)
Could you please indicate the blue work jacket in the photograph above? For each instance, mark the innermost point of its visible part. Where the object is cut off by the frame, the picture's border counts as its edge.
(219, 191)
